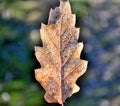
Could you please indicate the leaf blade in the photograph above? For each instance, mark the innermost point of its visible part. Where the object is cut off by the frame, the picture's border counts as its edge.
(59, 57)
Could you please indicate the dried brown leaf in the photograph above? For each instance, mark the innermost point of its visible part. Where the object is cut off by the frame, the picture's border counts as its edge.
(59, 57)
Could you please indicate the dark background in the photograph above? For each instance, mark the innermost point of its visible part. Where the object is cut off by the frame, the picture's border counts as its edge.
(20, 21)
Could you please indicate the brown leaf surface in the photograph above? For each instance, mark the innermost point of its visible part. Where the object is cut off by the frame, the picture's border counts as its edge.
(59, 57)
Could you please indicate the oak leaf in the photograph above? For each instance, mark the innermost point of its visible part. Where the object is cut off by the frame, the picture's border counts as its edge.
(59, 57)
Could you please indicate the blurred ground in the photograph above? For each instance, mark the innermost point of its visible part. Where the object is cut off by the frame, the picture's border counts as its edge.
(19, 33)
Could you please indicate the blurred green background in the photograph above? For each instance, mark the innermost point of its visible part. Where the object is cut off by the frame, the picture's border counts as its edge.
(20, 21)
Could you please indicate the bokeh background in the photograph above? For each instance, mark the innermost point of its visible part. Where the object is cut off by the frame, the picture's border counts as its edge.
(20, 21)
